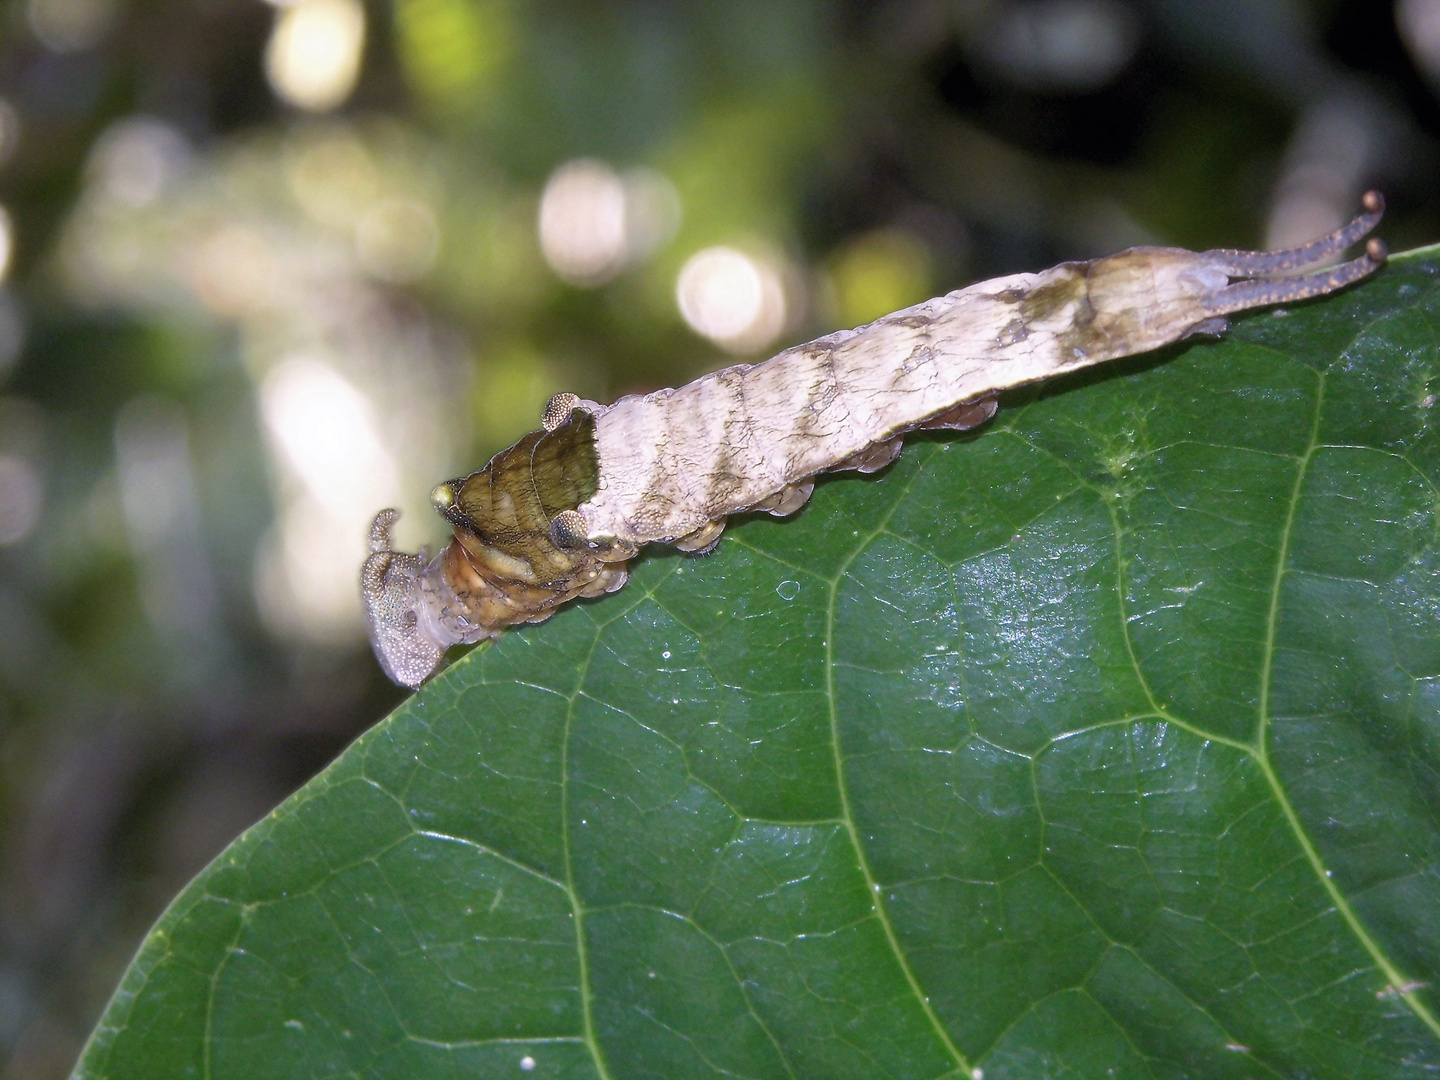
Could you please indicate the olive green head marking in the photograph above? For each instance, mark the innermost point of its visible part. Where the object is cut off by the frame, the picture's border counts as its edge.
(507, 506)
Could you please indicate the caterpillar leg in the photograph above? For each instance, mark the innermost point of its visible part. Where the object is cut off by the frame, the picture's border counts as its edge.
(962, 417)
(873, 458)
(703, 539)
(611, 578)
(787, 500)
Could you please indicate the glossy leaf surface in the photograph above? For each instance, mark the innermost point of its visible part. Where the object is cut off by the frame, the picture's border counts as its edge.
(1104, 743)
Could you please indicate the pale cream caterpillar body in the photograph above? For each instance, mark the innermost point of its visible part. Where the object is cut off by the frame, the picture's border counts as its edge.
(560, 514)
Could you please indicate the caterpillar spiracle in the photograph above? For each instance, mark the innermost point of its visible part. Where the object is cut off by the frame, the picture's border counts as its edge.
(561, 513)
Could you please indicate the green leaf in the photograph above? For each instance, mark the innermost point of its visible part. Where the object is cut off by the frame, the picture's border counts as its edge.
(1104, 743)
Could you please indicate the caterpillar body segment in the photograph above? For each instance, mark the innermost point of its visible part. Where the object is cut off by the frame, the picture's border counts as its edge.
(559, 515)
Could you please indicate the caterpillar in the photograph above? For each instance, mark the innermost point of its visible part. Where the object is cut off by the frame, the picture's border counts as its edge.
(560, 514)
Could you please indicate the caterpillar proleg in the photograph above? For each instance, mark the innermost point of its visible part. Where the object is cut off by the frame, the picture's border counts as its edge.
(560, 514)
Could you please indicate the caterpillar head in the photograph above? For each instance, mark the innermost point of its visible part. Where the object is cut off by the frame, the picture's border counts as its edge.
(406, 640)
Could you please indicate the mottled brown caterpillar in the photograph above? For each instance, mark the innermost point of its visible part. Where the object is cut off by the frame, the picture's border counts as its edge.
(560, 514)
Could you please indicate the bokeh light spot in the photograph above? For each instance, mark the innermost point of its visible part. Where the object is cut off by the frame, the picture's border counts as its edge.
(338, 473)
(593, 221)
(304, 583)
(313, 56)
(734, 299)
(324, 427)
(582, 222)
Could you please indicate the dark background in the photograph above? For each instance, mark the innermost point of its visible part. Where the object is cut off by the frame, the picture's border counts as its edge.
(248, 301)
